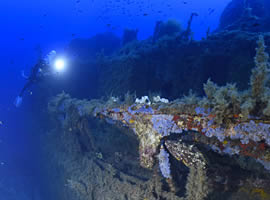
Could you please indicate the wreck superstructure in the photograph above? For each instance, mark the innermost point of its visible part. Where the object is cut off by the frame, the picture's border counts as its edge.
(226, 121)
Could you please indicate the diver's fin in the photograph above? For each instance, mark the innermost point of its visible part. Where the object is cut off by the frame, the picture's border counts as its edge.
(23, 75)
(18, 101)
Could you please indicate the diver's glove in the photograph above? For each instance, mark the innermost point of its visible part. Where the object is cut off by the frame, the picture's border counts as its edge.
(18, 101)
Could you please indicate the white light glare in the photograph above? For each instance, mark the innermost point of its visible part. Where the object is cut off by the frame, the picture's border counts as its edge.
(59, 65)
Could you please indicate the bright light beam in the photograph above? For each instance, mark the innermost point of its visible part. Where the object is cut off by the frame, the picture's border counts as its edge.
(59, 65)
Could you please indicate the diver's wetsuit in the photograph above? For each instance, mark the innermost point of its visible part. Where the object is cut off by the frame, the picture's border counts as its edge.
(34, 76)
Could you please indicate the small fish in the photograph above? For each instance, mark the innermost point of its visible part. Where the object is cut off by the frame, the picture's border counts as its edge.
(210, 11)
(184, 2)
(145, 14)
(21, 39)
(195, 14)
(256, 24)
(73, 34)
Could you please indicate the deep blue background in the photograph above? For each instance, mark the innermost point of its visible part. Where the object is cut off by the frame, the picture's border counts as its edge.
(50, 24)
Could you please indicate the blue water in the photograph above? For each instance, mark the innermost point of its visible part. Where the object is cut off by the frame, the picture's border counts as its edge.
(28, 25)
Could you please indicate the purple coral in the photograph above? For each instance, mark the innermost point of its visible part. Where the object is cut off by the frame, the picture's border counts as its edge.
(164, 163)
(165, 125)
(218, 132)
(252, 131)
(202, 111)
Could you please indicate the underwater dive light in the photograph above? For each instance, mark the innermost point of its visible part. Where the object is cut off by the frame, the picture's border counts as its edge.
(59, 64)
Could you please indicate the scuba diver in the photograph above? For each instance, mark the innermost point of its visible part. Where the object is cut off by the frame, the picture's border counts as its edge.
(39, 71)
